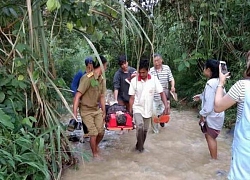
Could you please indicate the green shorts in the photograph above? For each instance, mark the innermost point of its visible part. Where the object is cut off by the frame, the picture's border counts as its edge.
(94, 122)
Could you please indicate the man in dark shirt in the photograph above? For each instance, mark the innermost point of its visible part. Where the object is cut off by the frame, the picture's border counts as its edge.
(121, 81)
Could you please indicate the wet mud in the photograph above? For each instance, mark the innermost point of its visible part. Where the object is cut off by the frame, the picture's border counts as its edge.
(178, 152)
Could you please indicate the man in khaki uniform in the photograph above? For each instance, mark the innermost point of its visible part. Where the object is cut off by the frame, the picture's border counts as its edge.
(91, 92)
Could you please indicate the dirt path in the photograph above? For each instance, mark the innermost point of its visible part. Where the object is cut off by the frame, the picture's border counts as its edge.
(178, 152)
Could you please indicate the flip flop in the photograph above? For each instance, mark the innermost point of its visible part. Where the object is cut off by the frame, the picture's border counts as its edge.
(174, 95)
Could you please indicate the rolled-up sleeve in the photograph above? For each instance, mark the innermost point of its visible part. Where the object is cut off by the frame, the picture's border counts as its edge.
(116, 81)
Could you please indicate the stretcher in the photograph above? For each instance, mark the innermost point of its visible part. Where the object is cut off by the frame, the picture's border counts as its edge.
(113, 123)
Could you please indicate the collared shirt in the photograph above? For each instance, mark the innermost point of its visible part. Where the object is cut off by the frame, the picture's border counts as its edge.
(121, 85)
(164, 75)
(91, 86)
(214, 120)
(144, 94)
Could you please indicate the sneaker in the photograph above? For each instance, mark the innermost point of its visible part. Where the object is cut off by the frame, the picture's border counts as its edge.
(174, 95)
(162, 124)
(74, 138)
(137, 148)
(86, 136)
(78, 126)
(72, 125)
(155, 131)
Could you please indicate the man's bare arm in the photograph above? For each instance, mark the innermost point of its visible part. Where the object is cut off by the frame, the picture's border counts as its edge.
(76, 101)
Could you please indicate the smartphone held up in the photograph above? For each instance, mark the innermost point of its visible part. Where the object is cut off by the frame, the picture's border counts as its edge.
(224, 69)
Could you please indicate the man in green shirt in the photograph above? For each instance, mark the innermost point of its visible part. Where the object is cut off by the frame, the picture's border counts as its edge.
(91, 92)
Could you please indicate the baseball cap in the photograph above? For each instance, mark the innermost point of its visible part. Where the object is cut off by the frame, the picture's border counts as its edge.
(88, 60)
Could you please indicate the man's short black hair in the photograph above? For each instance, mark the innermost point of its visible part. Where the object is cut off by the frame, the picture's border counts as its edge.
(144, 64)
(96, 62)
(122, 59)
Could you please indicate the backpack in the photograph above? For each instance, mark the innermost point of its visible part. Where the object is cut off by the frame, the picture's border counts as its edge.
(76, 81)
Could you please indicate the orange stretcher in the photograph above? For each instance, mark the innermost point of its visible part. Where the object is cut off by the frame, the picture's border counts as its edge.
(112, 124)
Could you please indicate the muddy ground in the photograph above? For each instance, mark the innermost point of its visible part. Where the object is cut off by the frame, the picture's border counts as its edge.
(178, 152)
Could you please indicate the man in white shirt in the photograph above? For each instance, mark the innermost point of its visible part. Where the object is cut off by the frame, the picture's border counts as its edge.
(141, 91)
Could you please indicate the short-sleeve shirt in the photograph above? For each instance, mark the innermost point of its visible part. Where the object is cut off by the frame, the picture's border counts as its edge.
(164, 75)
(144, 94)
(240, 168)
(91, 86)
(121, 85)
(237, 93)
(76, 81)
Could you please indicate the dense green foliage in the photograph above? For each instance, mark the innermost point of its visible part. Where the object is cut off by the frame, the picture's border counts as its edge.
(44, 42)
(21, 149)
(197, 31)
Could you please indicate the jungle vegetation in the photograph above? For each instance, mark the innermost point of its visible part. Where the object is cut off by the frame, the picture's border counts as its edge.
(43, 43)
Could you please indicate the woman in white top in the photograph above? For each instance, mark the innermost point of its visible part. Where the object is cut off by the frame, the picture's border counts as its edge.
(211, 122)
(239, 93)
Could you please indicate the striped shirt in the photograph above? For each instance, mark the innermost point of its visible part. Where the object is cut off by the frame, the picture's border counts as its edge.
(164, 75)
(237, 93)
